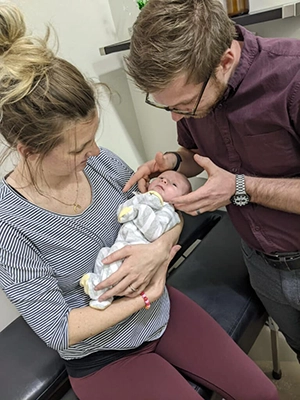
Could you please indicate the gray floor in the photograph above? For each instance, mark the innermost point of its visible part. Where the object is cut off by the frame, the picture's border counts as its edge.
(289, 385)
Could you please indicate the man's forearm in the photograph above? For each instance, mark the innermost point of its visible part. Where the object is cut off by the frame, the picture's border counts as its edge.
(280, 194)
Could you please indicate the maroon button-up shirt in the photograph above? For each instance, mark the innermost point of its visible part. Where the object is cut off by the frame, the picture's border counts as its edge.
(255, 130)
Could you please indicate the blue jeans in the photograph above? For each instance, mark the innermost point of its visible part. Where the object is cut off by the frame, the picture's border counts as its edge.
(279, 291)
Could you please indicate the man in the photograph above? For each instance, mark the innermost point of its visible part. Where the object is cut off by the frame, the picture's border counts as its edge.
(235, 98)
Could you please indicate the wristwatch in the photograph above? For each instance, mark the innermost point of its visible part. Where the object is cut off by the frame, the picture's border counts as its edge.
(240, 197)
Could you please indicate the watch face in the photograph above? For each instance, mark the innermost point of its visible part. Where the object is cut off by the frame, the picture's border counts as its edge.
(240, 199)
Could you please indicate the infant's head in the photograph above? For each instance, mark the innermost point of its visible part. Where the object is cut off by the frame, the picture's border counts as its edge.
(170, 184)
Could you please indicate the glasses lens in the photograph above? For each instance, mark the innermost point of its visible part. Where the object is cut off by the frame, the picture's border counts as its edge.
(150, 100)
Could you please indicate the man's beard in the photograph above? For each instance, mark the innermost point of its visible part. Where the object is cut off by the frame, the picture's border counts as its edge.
(220, 90)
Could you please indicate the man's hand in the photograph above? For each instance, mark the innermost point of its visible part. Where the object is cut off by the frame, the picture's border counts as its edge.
(149, 170)
(215, 193)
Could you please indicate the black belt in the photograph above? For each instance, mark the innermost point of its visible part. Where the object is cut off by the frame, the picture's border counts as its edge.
(284, 261)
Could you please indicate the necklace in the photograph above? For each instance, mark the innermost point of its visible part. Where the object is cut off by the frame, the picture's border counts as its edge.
(76, 206)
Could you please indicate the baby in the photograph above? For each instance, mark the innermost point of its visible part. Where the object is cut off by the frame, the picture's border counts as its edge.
(144, 218)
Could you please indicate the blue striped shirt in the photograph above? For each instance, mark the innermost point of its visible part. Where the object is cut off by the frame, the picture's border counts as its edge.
(43, 255)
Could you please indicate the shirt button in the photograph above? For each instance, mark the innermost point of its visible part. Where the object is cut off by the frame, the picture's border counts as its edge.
(257, 228)
(227, 140)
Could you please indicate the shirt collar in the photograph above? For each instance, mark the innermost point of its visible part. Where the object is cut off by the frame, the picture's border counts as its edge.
(248, 54)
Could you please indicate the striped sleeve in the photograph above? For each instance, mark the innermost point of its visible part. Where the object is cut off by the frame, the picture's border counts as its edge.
(30, 284)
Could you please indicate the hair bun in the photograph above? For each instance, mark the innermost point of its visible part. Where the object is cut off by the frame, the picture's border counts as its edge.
(12, 26)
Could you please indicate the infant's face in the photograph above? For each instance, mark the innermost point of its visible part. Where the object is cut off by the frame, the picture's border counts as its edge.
(169, 184)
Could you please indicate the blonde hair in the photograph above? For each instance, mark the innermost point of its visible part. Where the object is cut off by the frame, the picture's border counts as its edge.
(178, 36)
(40, 94)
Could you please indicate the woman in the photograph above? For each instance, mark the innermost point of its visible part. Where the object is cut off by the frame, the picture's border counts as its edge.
(57, 209)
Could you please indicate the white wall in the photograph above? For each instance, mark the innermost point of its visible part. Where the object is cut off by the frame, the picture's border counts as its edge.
(288, 27)
(82, 27)
(124, 13)
(157, 129)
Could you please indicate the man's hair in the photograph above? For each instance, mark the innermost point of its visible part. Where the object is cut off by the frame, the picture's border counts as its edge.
(178, 36)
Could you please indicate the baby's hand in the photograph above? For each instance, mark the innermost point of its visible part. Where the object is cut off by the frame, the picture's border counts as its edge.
(126, 214)
(84, 282)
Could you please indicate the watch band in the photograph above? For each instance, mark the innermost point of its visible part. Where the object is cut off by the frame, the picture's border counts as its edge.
(240, 197)
(240, 187)
(178, 157)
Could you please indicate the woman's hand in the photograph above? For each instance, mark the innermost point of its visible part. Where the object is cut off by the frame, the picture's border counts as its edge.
(156, 287)
(141, 262)
(84, 322)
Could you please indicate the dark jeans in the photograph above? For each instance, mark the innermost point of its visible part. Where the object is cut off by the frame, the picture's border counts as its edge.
(279, 291)
(194, 346)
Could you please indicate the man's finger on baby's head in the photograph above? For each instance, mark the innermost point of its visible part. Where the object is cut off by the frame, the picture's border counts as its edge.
(135, 178)
(143, 185)
(131, 181)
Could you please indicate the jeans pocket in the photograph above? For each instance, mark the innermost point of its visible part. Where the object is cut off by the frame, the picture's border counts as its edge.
(247, 251)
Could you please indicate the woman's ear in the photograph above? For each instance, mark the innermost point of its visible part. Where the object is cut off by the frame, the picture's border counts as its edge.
(24, 151)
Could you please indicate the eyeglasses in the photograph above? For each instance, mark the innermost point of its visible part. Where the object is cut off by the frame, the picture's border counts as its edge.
(175, 110)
